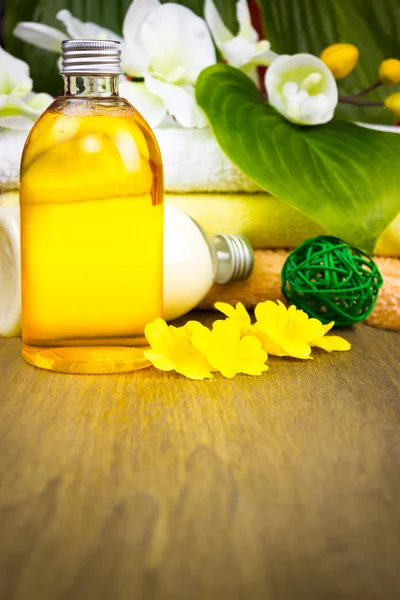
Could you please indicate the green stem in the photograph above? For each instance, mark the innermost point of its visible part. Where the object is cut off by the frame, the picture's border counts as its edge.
(351, 100)
(367, 90)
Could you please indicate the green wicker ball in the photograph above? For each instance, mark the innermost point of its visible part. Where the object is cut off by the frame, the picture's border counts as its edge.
(331, 281)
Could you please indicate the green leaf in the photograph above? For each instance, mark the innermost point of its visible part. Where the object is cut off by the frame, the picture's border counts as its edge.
(344, 177)
(108, 13)
(373, 26)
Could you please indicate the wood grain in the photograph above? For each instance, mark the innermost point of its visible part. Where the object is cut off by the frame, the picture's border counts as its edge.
(150, 486)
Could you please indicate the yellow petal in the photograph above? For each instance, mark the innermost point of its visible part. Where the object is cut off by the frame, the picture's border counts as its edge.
(225, 308)
(193, 365)
(159, 361)
(242, 313)
(331, 343)
(247, 357)
(328, 326)
(194, 327)
(273, 317)
(171, 348)
(300, 327)
(158, 335)
(227, 352)
(201, 337)
(296, 349)
(251, 358)
(238, 314)
(226, 333)
(269, 346)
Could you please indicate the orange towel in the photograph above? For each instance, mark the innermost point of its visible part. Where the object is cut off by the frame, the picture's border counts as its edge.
(265, 284)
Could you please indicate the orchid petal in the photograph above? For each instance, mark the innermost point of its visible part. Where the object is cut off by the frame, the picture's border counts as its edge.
(17, 122)
(85, 30)
(150, 106)
(219, 30)
(238, 52)
(14, 75)
(133, 57)
(15, 106)
(246, 30)
(40, 102)
(245, 48)
(174, 37)
(43, 36)
(263, 56)
(180, 102)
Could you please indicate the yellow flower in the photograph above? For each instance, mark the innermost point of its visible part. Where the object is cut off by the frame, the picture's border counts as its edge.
(238, 314)
(290, 332)
(340, 59)
(227, 352)
(392, 103)
(331, 342)
(389, 71)
(171, 349)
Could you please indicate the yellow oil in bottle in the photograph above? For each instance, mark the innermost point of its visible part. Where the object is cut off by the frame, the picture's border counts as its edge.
(91, 235)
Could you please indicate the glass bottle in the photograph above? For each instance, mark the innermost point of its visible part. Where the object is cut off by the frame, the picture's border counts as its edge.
(91, 223)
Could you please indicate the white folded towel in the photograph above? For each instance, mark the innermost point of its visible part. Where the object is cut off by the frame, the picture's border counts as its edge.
(10, 272)
(11, 146)
(194, 162)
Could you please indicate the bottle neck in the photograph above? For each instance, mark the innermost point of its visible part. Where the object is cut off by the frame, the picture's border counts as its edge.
(91, 85)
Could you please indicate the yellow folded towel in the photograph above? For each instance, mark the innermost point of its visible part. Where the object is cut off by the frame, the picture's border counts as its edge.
(264, 220)
(265, 284)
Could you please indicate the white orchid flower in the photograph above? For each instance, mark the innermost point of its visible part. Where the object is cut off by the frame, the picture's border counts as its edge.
(50, 38)
(19, 107)
(14, 76)
(168, 45)
(165, 45)
(302, 89)
(245, 50)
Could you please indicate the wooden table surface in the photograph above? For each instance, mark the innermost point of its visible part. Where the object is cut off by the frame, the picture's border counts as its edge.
(151, 486)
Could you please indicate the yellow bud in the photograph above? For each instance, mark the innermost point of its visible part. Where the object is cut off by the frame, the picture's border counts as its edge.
(392, 102)
(389, 71)
(340, 59)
